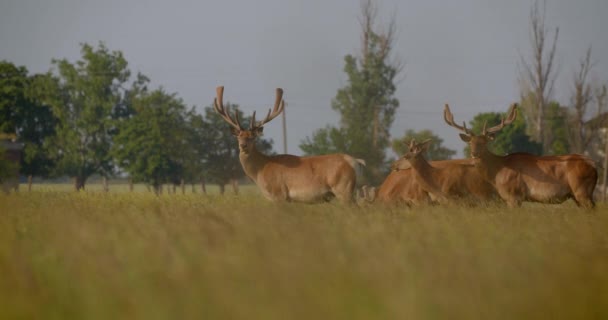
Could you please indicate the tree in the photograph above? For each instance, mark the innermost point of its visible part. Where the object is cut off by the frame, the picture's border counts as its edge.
(218, 148)
(510, 139)
(538, 75)
(10, 153)
(197, 140)
(84, 97)
(585, 123)
(366, 104)
(435, 151)
(13, 81)
(325, 141)
(6, 166)
(26, 117)
(153, 144)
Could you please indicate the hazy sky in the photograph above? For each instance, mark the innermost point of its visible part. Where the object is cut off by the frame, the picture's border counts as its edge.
(462, 52)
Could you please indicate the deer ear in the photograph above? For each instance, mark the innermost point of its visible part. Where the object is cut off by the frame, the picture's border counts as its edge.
(465, 137)
(235, 132)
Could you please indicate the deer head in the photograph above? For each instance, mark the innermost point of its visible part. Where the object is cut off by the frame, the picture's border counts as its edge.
(416, 149)
(246, 136)
(478, 143)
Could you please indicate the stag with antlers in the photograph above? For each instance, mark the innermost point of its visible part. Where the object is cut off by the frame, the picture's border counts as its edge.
(521, 177)
(287, 177)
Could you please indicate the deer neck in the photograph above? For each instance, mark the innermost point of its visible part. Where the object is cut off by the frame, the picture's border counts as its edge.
(489, 165)
(253, 162)
(427, 174)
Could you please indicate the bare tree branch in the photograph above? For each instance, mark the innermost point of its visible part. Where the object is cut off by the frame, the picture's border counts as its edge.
(582, 95)
(539, 73)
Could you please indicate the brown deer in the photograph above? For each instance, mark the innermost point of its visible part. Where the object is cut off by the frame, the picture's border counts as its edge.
(447, 180)
(401, 187)
(398, 188)
(287, 177)
(521, 177)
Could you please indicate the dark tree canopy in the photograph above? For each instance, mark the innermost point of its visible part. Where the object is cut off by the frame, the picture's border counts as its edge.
(26, 117)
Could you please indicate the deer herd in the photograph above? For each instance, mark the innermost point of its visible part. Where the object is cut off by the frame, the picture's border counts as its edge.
(413, 180)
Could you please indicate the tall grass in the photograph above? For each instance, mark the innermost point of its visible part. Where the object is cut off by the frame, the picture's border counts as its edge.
(120, 255)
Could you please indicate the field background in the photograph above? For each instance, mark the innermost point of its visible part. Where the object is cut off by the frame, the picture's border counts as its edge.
(123, 255)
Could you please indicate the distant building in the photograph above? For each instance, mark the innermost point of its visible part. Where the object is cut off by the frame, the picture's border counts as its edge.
(12, 152)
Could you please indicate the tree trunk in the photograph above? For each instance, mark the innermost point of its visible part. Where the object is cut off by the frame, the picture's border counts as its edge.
(203, 189)
(131, 184)
(193, 189)
(158, 188)
(104, 184)
(79, 182)
(29, 183)
(183, 185)
(375, 127)
(235, 186)
(174, 188)
(541, 128)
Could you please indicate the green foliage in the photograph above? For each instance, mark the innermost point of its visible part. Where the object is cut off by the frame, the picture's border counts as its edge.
(217, 148)
(22, 114)
(13, 81)
(326, 140)
(367, 107)
(84, 96)
(7, 167)
(510, 139)
(435, 151)
(153, 144)
(557, 125)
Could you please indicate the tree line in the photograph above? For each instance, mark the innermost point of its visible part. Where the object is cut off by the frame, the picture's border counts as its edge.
(93, 116)
(367, 104)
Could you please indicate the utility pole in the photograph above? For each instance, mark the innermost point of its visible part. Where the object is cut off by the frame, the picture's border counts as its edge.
(605, 165)
(284, 129)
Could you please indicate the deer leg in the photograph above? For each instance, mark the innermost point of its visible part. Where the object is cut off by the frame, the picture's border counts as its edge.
(344, 197)
(508, 197)
(344, 193)
(512, 201)
(582, 194)
(583, 200)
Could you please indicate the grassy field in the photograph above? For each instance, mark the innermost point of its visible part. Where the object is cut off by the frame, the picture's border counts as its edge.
(121, 255)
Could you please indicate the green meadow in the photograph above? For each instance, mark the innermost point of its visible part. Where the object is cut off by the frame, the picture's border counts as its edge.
(134, 255)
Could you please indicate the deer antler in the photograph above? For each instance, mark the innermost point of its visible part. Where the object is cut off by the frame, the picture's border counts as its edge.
(512, 115)
(279, 104)
(225, 112)
(449, 119)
